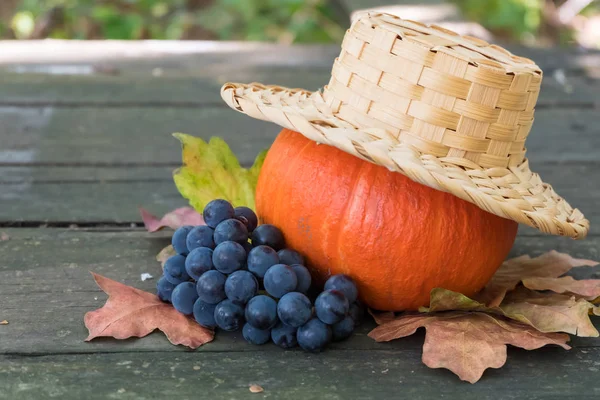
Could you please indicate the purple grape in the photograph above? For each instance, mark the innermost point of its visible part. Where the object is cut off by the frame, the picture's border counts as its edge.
(211, 287)
(256, 336)
(304, 278)
(261, 312)
(229, 257)
(198, 262)
(290, 257)
(279, 280)
(249, 216)
(343, 329)
(178, 240)
(268, 235)
(344, 284)
(260, 259)
(217, 211)
(200, 236)
(229, 316)
(204, 313)
(164, 289)
(241, 286)
(174, 270)
(231, 230)
(331, 306)
(284, 336)
(183, 297)
(294, 309)
(314, 336)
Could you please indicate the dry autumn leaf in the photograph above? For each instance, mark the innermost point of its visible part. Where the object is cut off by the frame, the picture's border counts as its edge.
(164, 254)
(175, 219)
(382, 317)
(130, 312)
(469, 335)
(587, 288)
(546, 312)
(549, 265)
(466, 343)
(550, 312)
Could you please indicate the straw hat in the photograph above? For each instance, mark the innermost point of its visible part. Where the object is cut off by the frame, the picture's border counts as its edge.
(450, 112)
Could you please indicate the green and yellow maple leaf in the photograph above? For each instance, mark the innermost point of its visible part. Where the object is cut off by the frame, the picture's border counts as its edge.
(212, 171)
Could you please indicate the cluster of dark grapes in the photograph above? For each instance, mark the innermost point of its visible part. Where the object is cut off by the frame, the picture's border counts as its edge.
(234, 274)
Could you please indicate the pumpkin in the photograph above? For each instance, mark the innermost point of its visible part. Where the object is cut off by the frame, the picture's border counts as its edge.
(397, 238)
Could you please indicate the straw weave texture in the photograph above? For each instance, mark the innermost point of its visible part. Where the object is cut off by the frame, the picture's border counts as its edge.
(448, 111)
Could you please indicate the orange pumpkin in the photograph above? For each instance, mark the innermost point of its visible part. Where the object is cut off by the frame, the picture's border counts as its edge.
(397, 238)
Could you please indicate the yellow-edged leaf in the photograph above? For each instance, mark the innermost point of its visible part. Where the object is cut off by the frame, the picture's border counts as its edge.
(211, 171)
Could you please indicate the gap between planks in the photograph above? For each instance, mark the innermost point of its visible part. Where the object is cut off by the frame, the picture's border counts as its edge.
(541, 105)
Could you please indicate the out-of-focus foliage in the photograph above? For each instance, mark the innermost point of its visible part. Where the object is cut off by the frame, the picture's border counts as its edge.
(288, 21)
(514, 18)
(528, 20)
(285, 21)
(276, 20)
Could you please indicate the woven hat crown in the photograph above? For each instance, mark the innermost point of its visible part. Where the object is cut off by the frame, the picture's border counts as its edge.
(445, 94)
(450, 112)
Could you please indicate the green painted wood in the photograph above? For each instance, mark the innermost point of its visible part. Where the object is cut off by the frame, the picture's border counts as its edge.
(122, 136)
(85, 202)
(202, 59)
(189, 91)
(95, 174)
(180, 58)
(113, 194)
(46, 288)
(92, 136)
(203, 88)
(544, 374)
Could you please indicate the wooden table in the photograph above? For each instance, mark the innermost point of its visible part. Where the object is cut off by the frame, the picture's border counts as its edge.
(80, 151)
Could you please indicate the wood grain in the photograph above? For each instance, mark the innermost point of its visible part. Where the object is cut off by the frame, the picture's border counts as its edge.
(113, 194)
(549, 373)
(116, 136)
(46, 288)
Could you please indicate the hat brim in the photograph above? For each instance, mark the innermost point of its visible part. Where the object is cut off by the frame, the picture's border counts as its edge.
(514, 193)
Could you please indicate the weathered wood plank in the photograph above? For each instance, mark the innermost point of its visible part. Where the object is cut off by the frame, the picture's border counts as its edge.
(45, 175)
(544, 374)
(46, 288)
(203, 87)
(113, 194)
(69, 90)
(143, 135)
(129, 56)
(197, 58)
(109, 201)
(117, 136)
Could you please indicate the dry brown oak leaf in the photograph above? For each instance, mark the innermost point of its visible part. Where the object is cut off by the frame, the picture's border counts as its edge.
(546, 312)
(550, 265)
(466, 343)
(174, 219)
(130, 312)
(588, 289)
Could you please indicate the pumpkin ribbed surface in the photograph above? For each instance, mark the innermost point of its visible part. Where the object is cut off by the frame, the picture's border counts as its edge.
(397, 238)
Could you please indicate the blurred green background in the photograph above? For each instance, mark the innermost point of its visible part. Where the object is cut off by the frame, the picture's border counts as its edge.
(285, 21)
